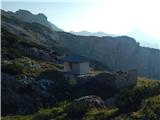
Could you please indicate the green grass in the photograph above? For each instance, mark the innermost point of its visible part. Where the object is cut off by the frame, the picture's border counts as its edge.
(57, 113)
(150, 109)
(130, 99)
(18, 117)
(146, 82)
(101, 114)
(25, 66)
(46, 114)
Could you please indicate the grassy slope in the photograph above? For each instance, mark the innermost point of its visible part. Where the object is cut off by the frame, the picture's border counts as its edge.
(149, 108)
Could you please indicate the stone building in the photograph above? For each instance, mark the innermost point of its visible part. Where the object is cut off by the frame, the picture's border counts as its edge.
(74, 64)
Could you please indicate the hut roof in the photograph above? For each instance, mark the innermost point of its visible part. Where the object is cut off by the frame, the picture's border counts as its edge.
(75, 58)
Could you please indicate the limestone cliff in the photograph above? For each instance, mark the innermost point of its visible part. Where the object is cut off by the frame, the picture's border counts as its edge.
(118, 53)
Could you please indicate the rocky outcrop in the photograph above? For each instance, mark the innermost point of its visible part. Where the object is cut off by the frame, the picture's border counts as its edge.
(48, 55)
(13, 100)
(90, 101)
(116, 80)
(104, 84)
(81, 105)
(26, 95)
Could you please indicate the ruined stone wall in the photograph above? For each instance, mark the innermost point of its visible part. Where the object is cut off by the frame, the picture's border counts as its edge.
(116, 80)
(126, 79)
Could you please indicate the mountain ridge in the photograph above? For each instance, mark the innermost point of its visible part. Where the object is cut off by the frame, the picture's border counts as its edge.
(40, 18)
(86, 33)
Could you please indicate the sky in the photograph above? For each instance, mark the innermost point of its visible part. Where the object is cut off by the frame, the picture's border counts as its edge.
(122, 17)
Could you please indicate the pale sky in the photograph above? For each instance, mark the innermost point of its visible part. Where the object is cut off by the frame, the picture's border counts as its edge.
(109, 16)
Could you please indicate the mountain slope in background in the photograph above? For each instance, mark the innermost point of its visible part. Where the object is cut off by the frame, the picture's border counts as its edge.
(86, 33)
(143, 38)
(40, 18)
(118, 53)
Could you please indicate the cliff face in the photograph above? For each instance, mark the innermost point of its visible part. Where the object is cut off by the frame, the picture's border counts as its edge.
(148, 61)
(118, 53)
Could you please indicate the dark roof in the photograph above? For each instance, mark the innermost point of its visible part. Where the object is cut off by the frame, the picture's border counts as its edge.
(75, 58)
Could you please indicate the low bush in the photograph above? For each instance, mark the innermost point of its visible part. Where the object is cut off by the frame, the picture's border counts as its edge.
(47, 114)
(101, 114)
(13, 69)
(130, 99)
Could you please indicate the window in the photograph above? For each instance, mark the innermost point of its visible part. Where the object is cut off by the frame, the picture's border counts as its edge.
(70, 65)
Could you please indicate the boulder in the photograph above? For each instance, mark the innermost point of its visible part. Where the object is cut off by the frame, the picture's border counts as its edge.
(83, 104)
(90, 102)
(101, 84)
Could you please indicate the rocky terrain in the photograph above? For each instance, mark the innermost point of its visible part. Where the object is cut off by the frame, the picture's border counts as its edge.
(34, 86)
(118, 53)
(31, 60)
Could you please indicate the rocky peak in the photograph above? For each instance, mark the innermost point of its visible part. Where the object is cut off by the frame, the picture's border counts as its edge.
(27, 16)
(41, 16)
(23, 12)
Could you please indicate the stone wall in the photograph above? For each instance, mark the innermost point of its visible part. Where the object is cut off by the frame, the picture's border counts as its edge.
(116, 80)
(126, 79)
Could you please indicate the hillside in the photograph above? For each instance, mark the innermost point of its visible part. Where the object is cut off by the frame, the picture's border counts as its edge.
(31, 61)
(35, 87)
(117, 53)
(145, 106)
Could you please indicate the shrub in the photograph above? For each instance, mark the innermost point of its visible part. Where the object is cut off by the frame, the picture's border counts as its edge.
(47, 114)
(13, 68)
(10, 53)
(17, 117)
(130, 99)
(101, 114)
(150, 109)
